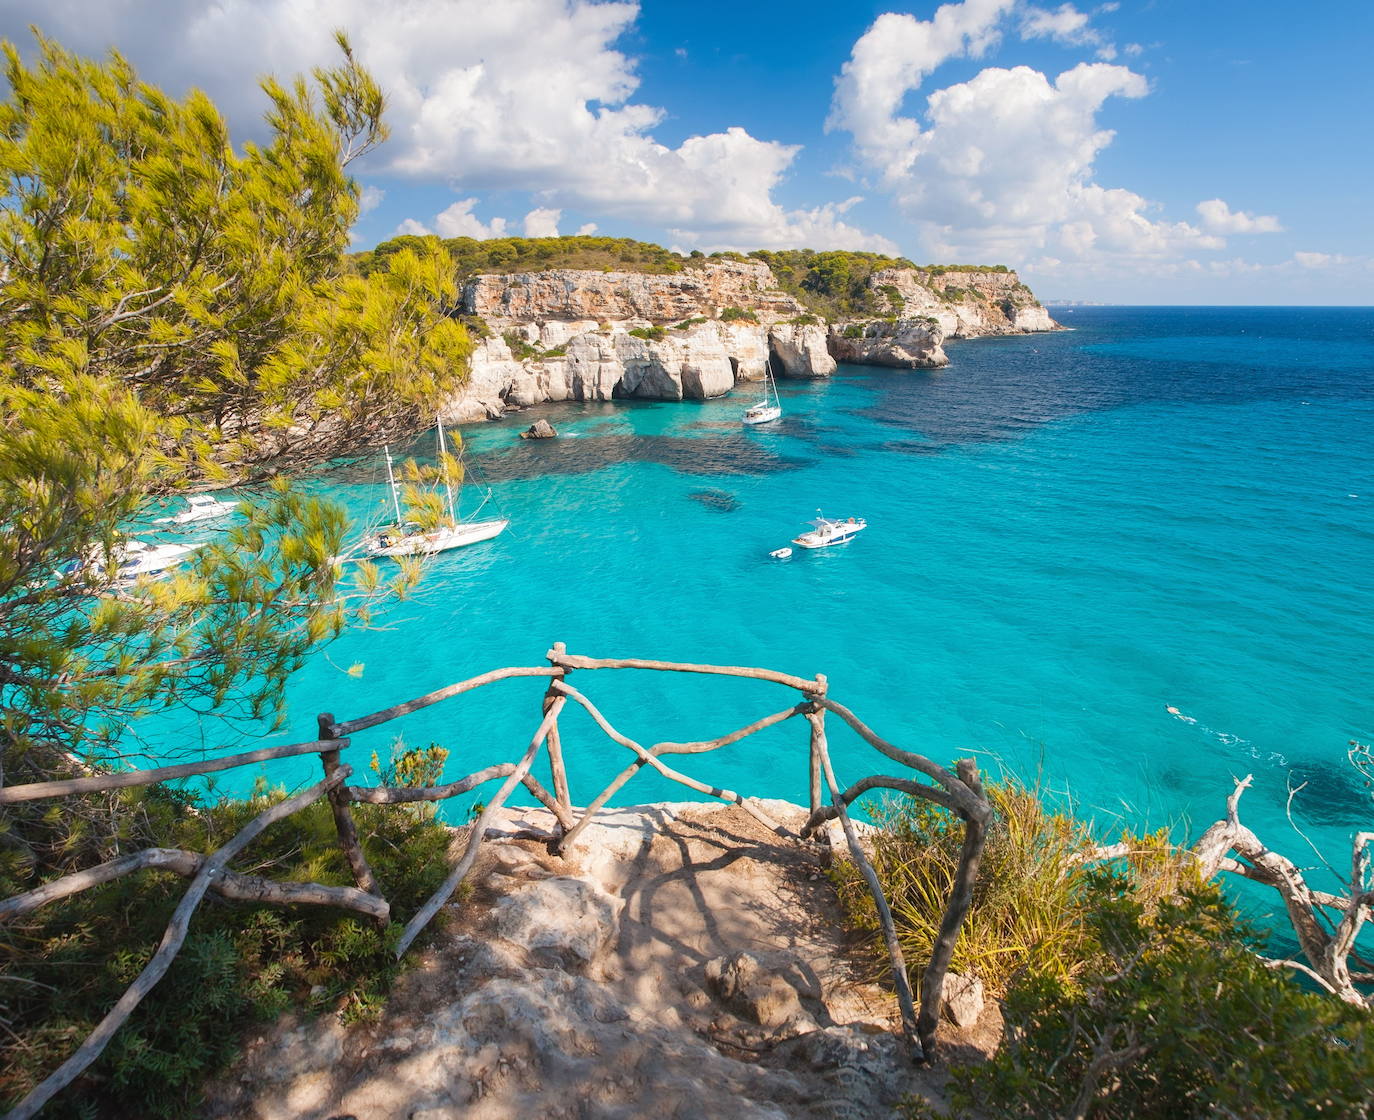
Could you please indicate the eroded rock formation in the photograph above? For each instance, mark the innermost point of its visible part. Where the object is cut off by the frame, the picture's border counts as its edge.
(564, 335)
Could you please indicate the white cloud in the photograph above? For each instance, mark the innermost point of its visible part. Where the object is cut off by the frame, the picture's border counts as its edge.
(1066, 24)
(542, 223)
(1319, 260)
(1000, 166)
(413, 228)
(370, 199)
(527, 95)
(586, 230)
(1218, 217)
(458, 220)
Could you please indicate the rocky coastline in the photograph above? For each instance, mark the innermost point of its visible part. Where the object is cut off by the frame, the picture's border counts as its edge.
(581, 335)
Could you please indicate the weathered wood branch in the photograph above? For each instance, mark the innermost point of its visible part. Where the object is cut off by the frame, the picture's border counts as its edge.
(172, 941)
(650, 756)
(1328, 952)
(900, 980)
(363, 722)
(343, 822)
(965, 799)
(478, 834)
(573, 661)
(558, 773)
(877, 781)
(124, 779)
(227, 884)
(960, 899)
(400, 795)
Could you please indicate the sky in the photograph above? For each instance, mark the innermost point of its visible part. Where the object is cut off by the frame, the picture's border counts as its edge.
(1134, 151)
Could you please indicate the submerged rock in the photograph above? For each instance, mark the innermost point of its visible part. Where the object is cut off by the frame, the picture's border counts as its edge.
(721, 500)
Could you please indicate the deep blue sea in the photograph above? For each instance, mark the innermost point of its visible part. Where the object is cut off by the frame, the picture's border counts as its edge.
(1069, 534)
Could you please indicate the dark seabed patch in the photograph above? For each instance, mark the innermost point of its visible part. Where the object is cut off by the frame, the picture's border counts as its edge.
(720, 500)
(728, 455)
(1333, 794)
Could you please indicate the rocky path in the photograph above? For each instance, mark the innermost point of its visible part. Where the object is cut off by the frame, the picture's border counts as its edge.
(683, 963)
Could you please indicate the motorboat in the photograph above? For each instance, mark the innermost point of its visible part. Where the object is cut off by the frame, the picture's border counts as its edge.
(780, 553)
(826, 531)
(199, 507)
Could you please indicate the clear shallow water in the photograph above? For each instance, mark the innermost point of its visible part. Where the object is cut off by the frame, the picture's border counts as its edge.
(1068, 533)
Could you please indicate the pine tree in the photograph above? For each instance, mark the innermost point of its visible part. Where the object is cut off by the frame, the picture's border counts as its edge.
(177, 312)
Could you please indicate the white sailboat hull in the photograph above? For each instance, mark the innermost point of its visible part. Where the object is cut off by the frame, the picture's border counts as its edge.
(762, 414)
(443, 539)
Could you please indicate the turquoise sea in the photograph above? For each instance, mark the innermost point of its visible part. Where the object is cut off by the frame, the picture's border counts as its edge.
(1069, 534)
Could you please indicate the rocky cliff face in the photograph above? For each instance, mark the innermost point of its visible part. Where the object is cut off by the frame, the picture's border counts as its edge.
(567, 334)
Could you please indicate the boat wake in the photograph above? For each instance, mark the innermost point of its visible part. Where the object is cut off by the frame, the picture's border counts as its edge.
(1226, 739)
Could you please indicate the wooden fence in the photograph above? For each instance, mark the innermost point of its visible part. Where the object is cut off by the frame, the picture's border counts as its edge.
(960, 792)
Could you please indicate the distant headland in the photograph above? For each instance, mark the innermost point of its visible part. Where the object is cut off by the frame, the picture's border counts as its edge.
(596, 318)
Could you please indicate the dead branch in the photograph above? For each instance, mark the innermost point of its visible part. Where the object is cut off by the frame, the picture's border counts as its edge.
(363, 722)
(124, 779)
(572, 661)
(227, 884)
(900, 979)
(478, 834)
(172, 940)
(1327, 952)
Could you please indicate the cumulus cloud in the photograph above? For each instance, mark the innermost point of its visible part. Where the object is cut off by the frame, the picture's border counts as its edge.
(542, 222)
(458, 220)
(586, 230)
(370, 199)
(527, 95)
(1002, 164)
(1218, 217)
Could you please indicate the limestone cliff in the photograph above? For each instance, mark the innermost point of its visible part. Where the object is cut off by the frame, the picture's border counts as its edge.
(565, 334)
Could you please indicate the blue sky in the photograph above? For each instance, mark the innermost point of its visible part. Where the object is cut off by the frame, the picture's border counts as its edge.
(1141, 151)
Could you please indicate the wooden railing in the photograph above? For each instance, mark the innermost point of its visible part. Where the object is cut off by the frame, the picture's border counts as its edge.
(960, 791)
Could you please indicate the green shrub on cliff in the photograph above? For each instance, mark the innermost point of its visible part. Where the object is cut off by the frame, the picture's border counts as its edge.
(738, 315)
(652, 334)
(832, 284)
(66, 964)
(1173, 1017)
(535, 254)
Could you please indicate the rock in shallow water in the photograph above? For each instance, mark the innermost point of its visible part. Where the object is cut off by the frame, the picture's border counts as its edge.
(540, 429)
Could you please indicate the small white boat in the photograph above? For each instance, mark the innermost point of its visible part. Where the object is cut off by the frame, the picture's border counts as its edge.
(826, 531)
(768, 409)
(199, 507)
(780, 553)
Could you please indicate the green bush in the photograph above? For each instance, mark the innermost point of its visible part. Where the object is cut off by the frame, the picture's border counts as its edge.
(1026, 910)
(520, 349)
(67, 964)
(650, 333)
(687, 324)
(806, 319)
(1175, 1018)
(738, 315)
(854, 330)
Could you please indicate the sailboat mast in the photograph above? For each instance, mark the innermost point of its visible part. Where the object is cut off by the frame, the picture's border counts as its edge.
(443, 459)
(391, 481)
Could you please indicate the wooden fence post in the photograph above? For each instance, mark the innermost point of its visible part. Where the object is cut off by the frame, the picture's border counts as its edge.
(817, 735)
(554, 743)
(343, 818)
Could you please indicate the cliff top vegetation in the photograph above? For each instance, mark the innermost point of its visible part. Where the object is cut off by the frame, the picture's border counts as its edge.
(833, 283)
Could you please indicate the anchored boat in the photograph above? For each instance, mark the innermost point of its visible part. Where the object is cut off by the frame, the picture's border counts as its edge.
(826, 531)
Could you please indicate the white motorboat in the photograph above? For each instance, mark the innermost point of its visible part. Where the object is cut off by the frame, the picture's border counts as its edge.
(199, 507)
(780, 553)
(768, 409)
(405, 538)
(826, 531)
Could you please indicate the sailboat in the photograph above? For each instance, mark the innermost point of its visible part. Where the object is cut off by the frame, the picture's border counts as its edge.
(770, 408)
(405, 538)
